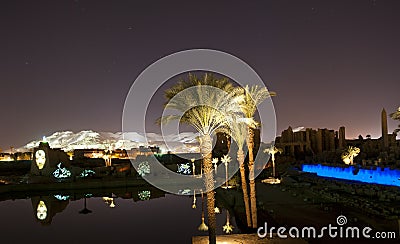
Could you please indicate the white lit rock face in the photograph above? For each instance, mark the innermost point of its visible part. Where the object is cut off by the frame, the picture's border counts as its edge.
(69, 141)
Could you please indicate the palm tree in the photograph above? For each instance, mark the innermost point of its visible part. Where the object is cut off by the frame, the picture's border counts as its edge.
(203, 226)
(85, 210)
(350, 153)
(253, 96)
(226, 160)
(273, 150)
(194, 199)
(396, 116)
(206, 104)
(227, 228)
(215, 162)
(238, 131)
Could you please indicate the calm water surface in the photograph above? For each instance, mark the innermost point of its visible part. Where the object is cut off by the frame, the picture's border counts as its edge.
(136, 218)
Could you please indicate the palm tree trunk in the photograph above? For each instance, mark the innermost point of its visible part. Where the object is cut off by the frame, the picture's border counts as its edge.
(240, 158)
(206, 149)
(273, 166)
(253, 201)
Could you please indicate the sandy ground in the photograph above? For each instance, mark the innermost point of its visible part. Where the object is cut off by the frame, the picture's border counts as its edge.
(289, 211)
(287, 208)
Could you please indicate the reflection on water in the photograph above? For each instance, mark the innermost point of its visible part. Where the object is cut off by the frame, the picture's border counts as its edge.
(136, 215)
(144, 195)
(109, 201)
(46, 207)
(41, 211)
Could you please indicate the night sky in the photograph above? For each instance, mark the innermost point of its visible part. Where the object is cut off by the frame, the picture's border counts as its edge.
(68, 65)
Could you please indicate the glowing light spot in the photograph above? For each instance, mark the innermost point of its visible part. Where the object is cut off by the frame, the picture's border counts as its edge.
(184, 192)
(144, 195)
(41, 211)
(61, 173)
(109, 201)
(378, 176)
(61, 197)
(184, 169)
(40, 158)
(87, 173)
(143, 168)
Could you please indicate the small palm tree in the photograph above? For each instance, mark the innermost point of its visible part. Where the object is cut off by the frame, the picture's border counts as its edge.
(253, 96)
(203, 226)
(350, 153)
(194, 199)
(226, 160)
(272, 151)
(227, 228)
(215, 162)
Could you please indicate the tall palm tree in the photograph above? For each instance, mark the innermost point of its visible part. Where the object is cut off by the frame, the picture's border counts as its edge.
(273, 150)
(253, 96)
(206, 109)
(238, 132)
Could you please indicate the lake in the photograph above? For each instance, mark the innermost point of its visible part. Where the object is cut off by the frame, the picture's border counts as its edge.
(140, 215)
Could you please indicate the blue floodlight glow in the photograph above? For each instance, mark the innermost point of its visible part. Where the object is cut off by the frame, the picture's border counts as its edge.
(385, 176)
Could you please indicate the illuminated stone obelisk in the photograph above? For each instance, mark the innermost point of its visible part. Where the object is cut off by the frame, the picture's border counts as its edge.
(385, 140)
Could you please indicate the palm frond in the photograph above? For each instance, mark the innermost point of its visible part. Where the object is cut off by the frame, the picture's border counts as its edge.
(395, 115)
(205, 107)
(207, 80)
(273, 150)
(238, 131)
(254, 96)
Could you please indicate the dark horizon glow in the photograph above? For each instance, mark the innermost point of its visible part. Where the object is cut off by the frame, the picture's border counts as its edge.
(69, 65)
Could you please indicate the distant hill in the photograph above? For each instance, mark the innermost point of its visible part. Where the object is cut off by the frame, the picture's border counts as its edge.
(88, 139)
